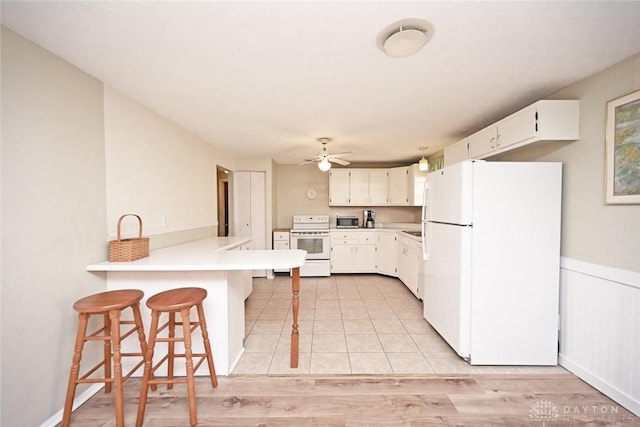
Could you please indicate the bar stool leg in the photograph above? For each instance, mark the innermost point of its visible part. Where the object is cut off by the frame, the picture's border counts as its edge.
(171, 349)
(107, 353)
(207, 345)
(75, 368)
(148, 368)
(188, 352)
(137, 316)
(114, 317)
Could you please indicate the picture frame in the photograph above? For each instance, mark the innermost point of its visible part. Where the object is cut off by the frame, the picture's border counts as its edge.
(622, 150)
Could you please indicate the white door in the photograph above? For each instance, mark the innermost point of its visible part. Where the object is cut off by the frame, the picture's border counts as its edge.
(251, 210)
(447, 284)
(242, 185)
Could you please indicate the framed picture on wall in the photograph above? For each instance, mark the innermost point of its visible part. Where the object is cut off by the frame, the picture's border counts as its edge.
(623, 150)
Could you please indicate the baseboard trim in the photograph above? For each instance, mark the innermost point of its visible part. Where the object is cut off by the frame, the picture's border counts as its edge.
(56, 418)
(607, 389)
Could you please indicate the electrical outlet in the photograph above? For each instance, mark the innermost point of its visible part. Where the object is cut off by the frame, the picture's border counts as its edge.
(165, 220)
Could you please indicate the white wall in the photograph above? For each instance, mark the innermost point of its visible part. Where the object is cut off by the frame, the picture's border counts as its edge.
(592, 231)
(53, 222)
(75, 156)
(159, 171)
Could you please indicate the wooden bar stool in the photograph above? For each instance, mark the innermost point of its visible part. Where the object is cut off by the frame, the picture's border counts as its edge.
(109, 305)
(173, 301)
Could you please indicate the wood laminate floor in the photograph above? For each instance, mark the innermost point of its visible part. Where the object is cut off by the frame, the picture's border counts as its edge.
(370, 400)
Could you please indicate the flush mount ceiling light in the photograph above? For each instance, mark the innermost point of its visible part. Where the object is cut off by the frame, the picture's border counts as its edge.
(405, 37)
(423, 164)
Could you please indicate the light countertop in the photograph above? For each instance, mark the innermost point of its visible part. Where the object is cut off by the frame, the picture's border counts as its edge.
(209, 254)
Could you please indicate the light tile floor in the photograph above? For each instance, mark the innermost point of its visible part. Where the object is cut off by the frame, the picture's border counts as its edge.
(349, 324)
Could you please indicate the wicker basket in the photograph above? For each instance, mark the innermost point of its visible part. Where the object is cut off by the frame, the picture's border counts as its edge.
(128, 249)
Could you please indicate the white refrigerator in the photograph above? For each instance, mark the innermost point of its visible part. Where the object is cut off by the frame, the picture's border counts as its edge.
(491, 241)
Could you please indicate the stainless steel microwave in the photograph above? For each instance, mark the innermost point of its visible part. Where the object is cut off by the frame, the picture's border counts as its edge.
(347, 222)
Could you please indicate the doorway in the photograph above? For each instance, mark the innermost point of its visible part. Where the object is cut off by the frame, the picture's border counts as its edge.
(224, 180)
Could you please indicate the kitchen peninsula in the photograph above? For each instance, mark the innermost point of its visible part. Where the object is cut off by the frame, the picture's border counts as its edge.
(216, 265)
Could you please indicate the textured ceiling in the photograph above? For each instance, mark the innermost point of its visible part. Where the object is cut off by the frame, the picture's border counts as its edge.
(268, 78)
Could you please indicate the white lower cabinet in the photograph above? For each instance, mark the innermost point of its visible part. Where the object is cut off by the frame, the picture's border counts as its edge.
(353, 251)
(281, 241)
(409, 263)
(386, 252)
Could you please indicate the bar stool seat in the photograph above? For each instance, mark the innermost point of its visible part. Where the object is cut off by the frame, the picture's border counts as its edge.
(109, 305)
(174, 301)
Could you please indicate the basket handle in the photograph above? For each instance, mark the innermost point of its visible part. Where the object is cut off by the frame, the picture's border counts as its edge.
(120, 223)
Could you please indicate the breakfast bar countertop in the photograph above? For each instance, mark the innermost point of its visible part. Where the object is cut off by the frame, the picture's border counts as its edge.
(211, 254)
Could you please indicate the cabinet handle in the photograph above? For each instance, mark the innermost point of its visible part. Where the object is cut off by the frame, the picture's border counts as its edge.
(493, 143)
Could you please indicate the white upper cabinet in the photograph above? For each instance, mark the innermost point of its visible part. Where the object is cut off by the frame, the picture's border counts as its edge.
(368, 187)
(378, 187)
(401, 186)
(548, 120)
(398, 186)
(406, 186)
(358, 187)
(339, 187)
(456, 153)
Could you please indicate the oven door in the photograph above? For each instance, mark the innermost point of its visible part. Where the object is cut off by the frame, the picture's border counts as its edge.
(316, 244)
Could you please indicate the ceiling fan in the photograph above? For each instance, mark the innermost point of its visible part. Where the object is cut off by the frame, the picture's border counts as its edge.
(324, 159)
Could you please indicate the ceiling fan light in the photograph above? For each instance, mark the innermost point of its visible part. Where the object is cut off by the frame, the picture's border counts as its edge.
(423, 164)
(324, 165)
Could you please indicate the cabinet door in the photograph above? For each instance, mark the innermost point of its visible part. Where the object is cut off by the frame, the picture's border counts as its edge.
(413, 260)
(342, 258)
(399, 186)
(402, 261)
(386, 253)
(365, 259)
(483, 142)
(517, 128)
(378, 187)
(457, 152)
(280, 244)
(359, 187)
(339, 187)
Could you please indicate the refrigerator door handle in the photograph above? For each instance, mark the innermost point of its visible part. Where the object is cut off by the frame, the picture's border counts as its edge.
(425, 194)
(425, 241)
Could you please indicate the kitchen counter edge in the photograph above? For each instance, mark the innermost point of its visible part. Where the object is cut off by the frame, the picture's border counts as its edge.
(211, 254)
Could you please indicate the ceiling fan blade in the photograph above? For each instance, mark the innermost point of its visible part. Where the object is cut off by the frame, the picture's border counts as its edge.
(338, 155)
(340, 161)
(307, 161)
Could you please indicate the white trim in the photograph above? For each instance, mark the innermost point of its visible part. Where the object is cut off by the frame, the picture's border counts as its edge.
(623, 277)
(56, 418)
(583, 356)
(151, 231)
(603, 386)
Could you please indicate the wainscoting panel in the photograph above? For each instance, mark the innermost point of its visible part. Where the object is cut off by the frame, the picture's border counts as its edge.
(600, 328)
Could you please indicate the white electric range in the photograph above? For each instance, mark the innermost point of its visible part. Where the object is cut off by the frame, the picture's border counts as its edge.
(311, 233)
